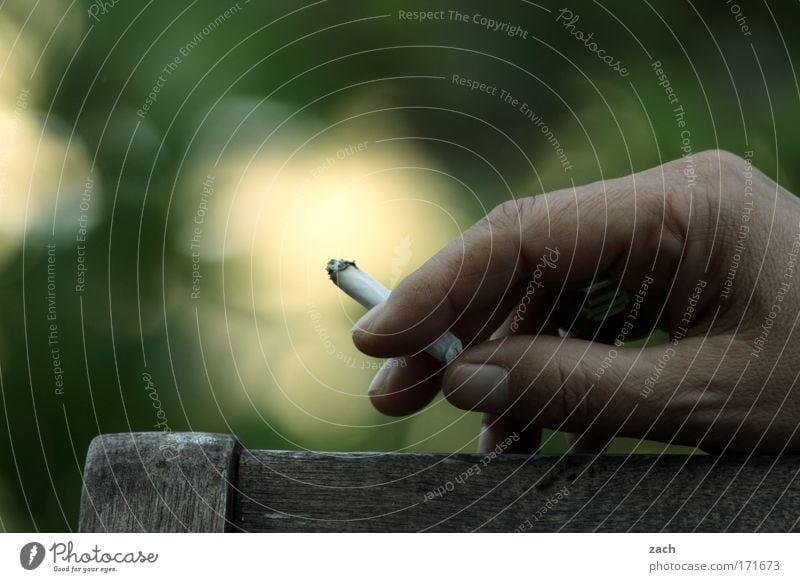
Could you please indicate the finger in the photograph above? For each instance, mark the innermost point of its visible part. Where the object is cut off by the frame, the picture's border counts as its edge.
(574, 234)
(405, 385)
(553, 382)
(476, 326)
(531, 315)
(505, 435)
(587, 443)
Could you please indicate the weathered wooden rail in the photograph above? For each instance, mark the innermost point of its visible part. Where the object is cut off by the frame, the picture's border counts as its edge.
(199, 482)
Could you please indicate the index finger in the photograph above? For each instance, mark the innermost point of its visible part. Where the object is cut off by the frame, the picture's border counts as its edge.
(575, 233)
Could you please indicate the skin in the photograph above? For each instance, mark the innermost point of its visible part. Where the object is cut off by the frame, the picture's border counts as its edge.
(710, 386)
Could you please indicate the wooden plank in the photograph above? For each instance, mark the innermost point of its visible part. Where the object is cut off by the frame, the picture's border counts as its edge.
(293, 491)
(159, 482)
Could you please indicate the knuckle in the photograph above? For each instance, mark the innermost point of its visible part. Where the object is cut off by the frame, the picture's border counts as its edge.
(694, 202)
(574, 406)
(511, 220)
(571, 398)
(715, 159)
(717, 171)
(511, 213)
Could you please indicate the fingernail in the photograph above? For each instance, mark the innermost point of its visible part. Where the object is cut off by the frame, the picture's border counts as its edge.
(479, 387)
(364, 325)
(380, 382)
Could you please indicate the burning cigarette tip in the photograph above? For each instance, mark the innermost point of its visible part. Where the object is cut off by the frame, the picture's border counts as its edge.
(336, 266)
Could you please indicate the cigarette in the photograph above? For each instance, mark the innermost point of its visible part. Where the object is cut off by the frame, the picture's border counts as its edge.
(368, 292)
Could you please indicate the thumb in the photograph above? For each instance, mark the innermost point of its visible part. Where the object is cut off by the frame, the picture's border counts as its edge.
(565, 384)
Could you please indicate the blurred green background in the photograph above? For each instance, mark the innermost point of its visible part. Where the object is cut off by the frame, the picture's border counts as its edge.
(175, 175)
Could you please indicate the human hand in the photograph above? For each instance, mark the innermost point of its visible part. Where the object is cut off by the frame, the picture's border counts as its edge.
(708, 238)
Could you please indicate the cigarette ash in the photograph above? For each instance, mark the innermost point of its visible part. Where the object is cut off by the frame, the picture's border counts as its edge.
(336, 266)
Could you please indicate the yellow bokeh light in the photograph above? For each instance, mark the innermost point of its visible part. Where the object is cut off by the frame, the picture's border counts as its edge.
(274, 221)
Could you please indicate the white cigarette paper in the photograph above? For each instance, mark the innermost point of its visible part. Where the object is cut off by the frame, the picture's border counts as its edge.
(369, 292)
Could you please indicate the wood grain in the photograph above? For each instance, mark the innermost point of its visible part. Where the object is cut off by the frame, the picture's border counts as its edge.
(202, 482)
(159, 482)
(284, 491)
